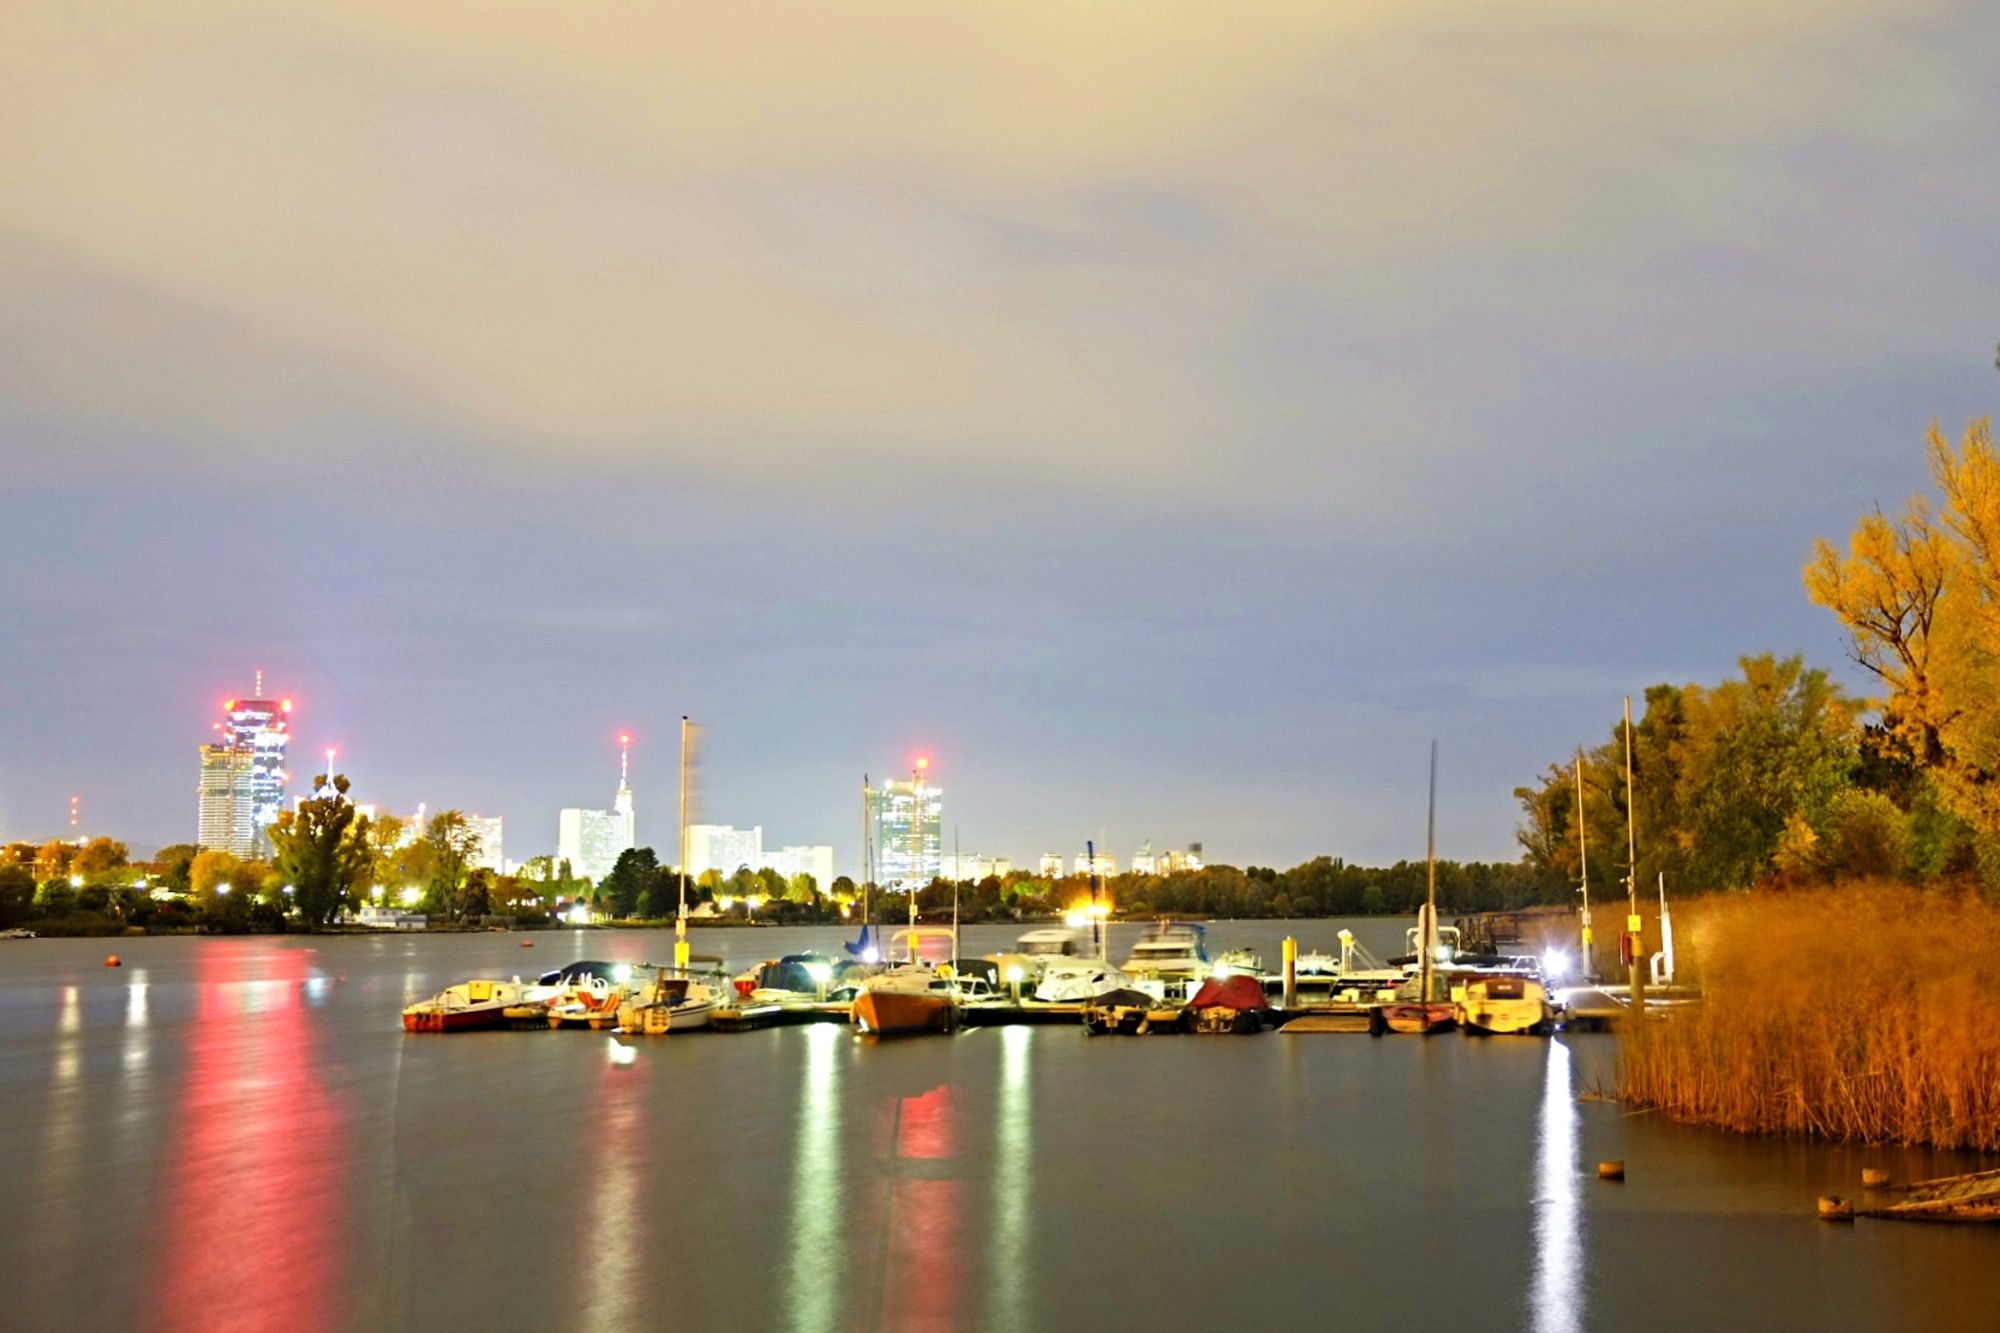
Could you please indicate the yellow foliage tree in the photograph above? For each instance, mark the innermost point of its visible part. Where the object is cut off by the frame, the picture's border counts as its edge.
(1920, 596)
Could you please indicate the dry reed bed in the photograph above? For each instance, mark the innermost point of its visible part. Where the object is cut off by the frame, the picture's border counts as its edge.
(1862, 1013)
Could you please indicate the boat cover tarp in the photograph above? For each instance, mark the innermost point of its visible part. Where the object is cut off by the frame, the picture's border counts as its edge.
(1122, 999)
(1231, 992)
(787, 974)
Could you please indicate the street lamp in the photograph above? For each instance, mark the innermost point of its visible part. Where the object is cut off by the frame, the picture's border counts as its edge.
(222, 890)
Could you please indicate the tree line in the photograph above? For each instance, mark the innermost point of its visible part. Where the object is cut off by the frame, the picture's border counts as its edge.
(1778, 775)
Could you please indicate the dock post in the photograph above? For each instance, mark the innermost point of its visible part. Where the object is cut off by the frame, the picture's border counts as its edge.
(1291, 955)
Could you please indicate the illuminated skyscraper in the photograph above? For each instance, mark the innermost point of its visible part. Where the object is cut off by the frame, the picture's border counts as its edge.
(243, 775)
(908, 822)
(724, 849)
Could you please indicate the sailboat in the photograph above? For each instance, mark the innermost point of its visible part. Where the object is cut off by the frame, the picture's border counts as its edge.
(1423, 1013)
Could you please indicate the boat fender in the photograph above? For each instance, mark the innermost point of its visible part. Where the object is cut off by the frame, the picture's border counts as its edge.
(1611, 1170)
(113, 960)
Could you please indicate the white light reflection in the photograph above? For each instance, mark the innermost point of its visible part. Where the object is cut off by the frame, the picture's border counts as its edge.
(1556, 1300)
(137, 1043)
(1012, 1180)
(812, 1296)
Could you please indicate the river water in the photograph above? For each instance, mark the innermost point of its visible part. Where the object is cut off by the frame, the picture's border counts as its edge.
(237, 1134)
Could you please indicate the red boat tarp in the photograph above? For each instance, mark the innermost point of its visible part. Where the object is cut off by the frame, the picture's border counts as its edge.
(1232, 992)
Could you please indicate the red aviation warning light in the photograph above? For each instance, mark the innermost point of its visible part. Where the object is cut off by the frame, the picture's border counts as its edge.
(624, 739)
(923, 763)
(285, 705)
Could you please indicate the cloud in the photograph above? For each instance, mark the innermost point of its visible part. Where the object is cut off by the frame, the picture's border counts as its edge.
(1160, 252)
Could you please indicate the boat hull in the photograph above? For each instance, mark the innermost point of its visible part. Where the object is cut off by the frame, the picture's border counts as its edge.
(1418, 1019)
(893, 1013)
(454, 1020)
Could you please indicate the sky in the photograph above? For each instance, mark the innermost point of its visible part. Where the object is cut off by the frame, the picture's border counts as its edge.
(1168, 417)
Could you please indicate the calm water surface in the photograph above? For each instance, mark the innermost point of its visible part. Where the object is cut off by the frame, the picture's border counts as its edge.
(237, 1134)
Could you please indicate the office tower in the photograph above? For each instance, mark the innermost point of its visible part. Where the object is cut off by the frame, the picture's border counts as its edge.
(491, 853)
(243, 775)
(907, 820)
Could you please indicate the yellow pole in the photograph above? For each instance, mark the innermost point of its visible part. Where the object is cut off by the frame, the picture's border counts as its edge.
(1291, 953)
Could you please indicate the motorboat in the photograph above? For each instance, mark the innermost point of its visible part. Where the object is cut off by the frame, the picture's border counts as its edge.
(668, 1004)
(1033, 952)
(1171, 953)
(1242, 963)
(1232, 1003)
(1128, 1011)
(1077, 980)
(17, 933)
(1505, 1004)
(466, 1007)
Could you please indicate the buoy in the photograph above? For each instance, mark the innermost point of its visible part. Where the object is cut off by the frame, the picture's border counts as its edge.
(112, 960)
(527, 944)
(1611, 1170)
(1874, 1177)
(1833, 1208)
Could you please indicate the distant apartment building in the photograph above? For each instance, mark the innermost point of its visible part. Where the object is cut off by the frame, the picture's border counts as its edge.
(907, 821)
(592, 840)
(815, 860)
(1105, 865)
(1051, 866)
(242, 786)
(972, 866)
(723, 848)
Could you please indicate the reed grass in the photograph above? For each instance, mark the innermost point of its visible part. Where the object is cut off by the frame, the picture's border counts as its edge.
(1859, 1013)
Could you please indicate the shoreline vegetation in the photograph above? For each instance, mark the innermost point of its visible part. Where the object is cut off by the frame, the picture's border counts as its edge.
(1851, 1013)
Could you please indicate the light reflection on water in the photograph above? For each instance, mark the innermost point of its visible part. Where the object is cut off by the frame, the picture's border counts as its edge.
(813, 1267)
(243, 1126)
(1557, 1295)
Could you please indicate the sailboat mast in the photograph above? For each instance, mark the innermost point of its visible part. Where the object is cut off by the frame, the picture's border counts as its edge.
(681, 915)
(958, 875)
(867, 857)
(1588, 967)
(1635, 939)
(1428, 934)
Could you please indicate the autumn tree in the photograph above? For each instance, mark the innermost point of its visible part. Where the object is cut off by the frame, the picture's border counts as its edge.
(322, 851)
(451, 843)
(1919, 595)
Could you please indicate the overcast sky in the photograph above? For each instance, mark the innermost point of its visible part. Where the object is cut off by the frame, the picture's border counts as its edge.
(1168, 416)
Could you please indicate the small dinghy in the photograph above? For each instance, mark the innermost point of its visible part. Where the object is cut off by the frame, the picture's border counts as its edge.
(1233, 1003)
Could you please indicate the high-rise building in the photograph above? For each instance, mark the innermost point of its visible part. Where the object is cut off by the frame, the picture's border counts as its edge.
(243, 775)
(491, 853)
(724, 849)
(1051, 866)
(1105, 865)
(592, 840)
(816, 860)
(907, 821)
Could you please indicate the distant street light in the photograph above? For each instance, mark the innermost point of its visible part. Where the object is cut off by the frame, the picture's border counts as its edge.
(222, 890)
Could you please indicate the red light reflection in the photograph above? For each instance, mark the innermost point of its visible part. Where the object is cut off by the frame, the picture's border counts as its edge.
(252, 1221)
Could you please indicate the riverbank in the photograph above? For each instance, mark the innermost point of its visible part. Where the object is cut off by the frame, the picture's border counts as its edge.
(1855, 1013)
